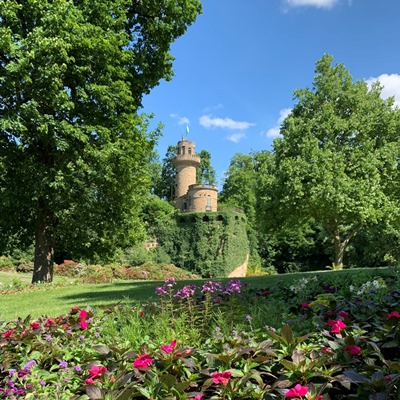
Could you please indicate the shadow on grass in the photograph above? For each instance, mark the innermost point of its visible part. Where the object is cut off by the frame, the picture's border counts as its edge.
(116, 292)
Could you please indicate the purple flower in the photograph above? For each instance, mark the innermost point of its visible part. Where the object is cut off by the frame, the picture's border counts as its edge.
(211, 287)
(170, 281)
(161, 291)
(30, 364)
(22, 373)
(78, 368)
(42, 383)
(248, 317)
(49, 338)
(233, 286)
(11, 372)
(186, 292)
(63, 364)
(82, 337)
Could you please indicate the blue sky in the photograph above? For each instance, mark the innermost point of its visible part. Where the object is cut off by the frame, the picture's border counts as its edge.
(237, 66)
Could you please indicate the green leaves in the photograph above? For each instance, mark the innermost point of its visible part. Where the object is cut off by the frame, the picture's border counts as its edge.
(334, 162)
(74, 150)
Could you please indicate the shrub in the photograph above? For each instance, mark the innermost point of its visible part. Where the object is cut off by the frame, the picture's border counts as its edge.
(6, 264)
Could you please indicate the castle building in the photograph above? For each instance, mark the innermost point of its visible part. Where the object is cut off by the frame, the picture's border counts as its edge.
(190, 195)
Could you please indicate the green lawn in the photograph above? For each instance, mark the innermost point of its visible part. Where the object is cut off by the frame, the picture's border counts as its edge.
(58, 300)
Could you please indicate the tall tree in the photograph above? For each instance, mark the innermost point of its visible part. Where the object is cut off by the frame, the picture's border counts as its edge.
(205, 172)
(74, 151)
(165, 188)
(337, 159)
(241, 180)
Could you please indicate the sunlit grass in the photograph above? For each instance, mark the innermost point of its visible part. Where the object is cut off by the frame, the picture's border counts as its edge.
(55, 299)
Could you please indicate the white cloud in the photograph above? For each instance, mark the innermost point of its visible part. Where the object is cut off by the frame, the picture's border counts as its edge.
(311, 3)
(174, 115)
(391, 86)
(184, 121)
(275, 131)
(236, 137)
(208, 121)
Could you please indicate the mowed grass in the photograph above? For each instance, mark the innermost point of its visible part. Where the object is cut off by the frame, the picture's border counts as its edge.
(53, 300)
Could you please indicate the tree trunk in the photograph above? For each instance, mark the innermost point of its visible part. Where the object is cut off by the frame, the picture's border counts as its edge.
(340, 245)
(339, 252)
(44, 253)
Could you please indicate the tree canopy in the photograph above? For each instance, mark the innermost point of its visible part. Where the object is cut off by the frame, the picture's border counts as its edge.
(337, 159)
(74, 152)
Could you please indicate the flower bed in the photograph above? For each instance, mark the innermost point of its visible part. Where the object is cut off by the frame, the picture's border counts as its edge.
(311, 340)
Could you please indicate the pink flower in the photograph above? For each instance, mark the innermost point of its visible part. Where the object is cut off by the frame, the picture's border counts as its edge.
(8, 333)
(143, 361)
(34, 325)
(393, 314)
(198, 397)
(96, 371)
(297, 391)
(89, 381)
(352, 350)
(49, 322)
(221, 378)
(169, 348)
(304, 304)
(83, 324)
(82, 314)
(336, 326)
(326, 350)
(343, 314)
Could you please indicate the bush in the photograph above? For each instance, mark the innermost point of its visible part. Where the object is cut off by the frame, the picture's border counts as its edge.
(25, 266)
(6, 264)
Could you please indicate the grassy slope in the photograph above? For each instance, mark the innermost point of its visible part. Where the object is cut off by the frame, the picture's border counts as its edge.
(54, 301)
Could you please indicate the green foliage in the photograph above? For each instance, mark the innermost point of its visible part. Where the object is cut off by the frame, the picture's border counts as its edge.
(165, 187)
(212, 341)
(336, 161)
(74, 152)
(205, 173)
(207, 244)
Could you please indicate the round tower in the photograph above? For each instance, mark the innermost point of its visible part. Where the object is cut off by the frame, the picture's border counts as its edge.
(185, 163)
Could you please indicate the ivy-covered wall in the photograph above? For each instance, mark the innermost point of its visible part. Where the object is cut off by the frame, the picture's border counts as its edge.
(207, 244)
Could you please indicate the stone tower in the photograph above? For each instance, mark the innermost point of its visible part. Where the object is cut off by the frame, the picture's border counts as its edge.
(191, 196)
(185, 163)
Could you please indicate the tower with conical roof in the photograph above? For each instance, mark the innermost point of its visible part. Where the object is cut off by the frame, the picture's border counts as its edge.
(190, 196)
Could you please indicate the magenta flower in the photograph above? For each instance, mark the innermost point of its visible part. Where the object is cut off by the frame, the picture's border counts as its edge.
(34, 325)
(336, 325)
(393, 314)
(304, 304)
(83, 324)
(82, 314)
(297, 391)
(169, 348)
(352, 350)
(8, 333)
(143, 361)
(96, 371)
(198, 397)
(49, 322)
(221, 378)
